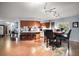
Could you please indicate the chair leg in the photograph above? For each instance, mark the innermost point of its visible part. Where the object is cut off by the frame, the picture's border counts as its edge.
(47, 44)
(60, 42)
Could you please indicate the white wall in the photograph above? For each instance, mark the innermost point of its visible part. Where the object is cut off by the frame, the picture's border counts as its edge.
(75, 31)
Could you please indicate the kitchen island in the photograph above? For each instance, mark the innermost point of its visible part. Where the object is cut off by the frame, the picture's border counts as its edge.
(30, 35)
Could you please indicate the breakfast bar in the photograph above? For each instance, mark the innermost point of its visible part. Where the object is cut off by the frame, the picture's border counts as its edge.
(30, 35)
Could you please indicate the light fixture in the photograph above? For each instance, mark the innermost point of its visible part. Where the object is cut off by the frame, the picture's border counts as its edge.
(51, 12)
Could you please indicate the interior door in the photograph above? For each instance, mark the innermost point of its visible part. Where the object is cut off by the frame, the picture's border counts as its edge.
(1, 30)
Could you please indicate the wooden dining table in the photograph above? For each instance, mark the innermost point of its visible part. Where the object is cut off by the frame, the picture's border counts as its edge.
(58, 32)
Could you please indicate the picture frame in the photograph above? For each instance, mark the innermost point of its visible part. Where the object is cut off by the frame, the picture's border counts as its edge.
(75, 24)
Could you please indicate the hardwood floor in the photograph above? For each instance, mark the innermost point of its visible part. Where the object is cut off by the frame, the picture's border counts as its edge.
(30, 48)
(23, 48)
(74, 48)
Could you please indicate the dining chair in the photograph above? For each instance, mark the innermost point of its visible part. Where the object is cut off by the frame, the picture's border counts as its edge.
(66, 37)
(49, 38)
(68, 41)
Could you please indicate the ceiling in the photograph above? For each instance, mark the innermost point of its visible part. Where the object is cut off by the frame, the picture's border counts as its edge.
(14, 10)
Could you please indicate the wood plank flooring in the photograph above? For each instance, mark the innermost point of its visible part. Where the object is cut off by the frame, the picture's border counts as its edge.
(23, 48)
(30, 48)
(74, 48)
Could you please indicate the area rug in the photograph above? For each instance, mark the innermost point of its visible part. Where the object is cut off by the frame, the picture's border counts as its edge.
(61, 51)
(58, 51)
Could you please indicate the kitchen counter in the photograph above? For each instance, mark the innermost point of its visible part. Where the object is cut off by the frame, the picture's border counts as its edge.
(30, 31)
(30, 35)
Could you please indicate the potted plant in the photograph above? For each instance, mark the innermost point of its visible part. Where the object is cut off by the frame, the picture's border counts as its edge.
(63, 27)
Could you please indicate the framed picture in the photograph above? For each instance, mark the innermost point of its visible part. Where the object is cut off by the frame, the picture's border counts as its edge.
(75, 24)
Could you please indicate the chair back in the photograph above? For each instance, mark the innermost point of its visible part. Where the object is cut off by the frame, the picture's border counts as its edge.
(48, 34)
(68, 35)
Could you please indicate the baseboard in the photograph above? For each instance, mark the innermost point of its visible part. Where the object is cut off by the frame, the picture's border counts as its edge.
(75, 40)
